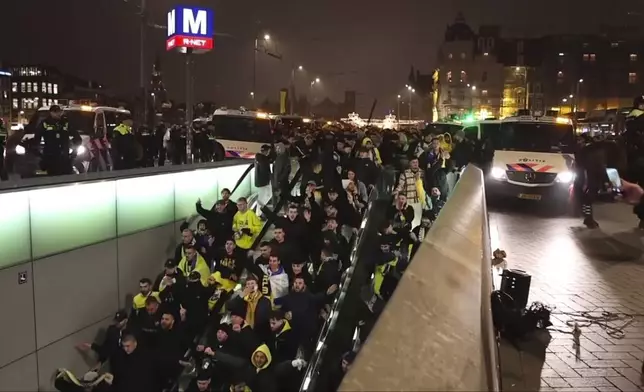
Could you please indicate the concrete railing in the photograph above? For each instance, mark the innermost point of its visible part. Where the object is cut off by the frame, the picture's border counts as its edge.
(436, 332)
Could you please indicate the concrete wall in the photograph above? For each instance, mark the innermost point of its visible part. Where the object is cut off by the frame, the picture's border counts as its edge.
(434, 333)
(71, 254)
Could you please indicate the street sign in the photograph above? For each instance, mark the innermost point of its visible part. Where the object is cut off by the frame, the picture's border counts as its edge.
(22, 277)
(190, 28)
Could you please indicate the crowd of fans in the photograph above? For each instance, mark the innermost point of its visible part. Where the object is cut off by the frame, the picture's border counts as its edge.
(249, 309)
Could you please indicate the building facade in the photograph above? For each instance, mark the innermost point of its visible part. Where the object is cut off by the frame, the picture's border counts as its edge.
(5, 95)
(469, 74)
(486, 73)
(34, 86)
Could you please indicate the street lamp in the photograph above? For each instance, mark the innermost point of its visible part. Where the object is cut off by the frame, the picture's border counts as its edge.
(411, 91)
(473, 88)
(398, 113)
(266, 37)
(317, 80)
(292, 88)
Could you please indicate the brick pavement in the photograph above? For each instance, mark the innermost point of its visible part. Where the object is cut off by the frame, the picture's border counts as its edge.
(574, 269)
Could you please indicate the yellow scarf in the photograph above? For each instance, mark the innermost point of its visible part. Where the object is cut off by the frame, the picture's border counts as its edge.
(252, 299)
(420, 191)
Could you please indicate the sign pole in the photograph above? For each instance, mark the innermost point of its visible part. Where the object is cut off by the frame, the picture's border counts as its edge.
(189, 104)
(143, 86)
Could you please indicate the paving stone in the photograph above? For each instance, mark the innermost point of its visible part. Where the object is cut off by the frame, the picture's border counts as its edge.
(587, 382)
(555, 382)
(623, 384)
(598, 372)
(599, 363)
(633, 375)
(573, 270)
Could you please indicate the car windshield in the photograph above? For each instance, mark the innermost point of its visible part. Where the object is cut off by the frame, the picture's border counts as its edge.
(534, 137)
(80, 121)
(246, 129)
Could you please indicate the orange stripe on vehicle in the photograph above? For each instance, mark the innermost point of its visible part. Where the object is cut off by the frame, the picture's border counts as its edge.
(517, 167)
(545, 168)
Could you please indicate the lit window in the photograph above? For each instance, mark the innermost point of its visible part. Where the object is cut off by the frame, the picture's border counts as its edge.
(23, 102)
(449, 76)
(463, 76)
(614, 44)
(55, 102)
(593, 57)
(49, 88)
(15, 103)
(28, 87)
(486, 54)
(35, 87)
(450, 56)
(463, 55)
(44, 87)
(14, 87)
(632, 77)
(633, 57)
(55, 89)
(561, 54)
(484, 93)
(23, 87)
(586, 57)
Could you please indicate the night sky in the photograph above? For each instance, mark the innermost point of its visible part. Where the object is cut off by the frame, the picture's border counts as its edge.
(361, 45)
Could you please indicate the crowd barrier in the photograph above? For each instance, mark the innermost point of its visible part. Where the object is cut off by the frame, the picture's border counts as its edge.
(436, 331)
(73, 248)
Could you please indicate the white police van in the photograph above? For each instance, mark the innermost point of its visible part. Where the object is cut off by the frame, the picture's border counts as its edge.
(91, 122)
(530, 158)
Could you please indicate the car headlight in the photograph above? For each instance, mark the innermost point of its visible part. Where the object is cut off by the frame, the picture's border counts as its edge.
(565, 177)
(498, 173)
(20, 150)
(80, 150)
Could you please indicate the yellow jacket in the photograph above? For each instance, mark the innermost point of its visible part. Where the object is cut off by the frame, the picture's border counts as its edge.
(200, 266)
(138, 302)
(246, 220)
(375, 151)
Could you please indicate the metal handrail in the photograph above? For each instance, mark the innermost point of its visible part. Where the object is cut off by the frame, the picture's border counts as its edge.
(315, 362)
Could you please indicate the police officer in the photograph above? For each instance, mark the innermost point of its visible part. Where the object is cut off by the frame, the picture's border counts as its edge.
(634, 141)
(124, 146)
(54, 130)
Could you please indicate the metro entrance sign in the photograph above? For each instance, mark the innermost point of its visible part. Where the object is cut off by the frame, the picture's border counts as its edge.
(190, 28)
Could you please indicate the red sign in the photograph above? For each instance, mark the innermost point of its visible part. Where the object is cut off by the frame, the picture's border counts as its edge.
(179, 41)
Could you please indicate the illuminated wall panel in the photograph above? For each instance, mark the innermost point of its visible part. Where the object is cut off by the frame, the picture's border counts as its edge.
(145, 202)
(15, 236)
(189, 187)
(227, 178)
(69, 217)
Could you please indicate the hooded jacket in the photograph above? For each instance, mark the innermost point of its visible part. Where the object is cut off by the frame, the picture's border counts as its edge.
(249, 225)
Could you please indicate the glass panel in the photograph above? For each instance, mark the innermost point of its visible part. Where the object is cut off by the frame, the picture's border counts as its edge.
(68, 217)
(227, 177)
(14, 229)
(144, 202)
(191, 186)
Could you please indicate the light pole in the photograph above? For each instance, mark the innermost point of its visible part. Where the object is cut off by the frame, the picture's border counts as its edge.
(577, 91)
(292, 98)
(313, 83)
(398, 112)
(411, 91)
(265, 39)
(252, 98)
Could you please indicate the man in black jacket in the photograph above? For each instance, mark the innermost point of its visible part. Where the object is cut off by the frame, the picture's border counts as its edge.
(112, 343)
(134, 368)
(263, 177)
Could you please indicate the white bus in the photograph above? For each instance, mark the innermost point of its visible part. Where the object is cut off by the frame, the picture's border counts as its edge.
(241, 133)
